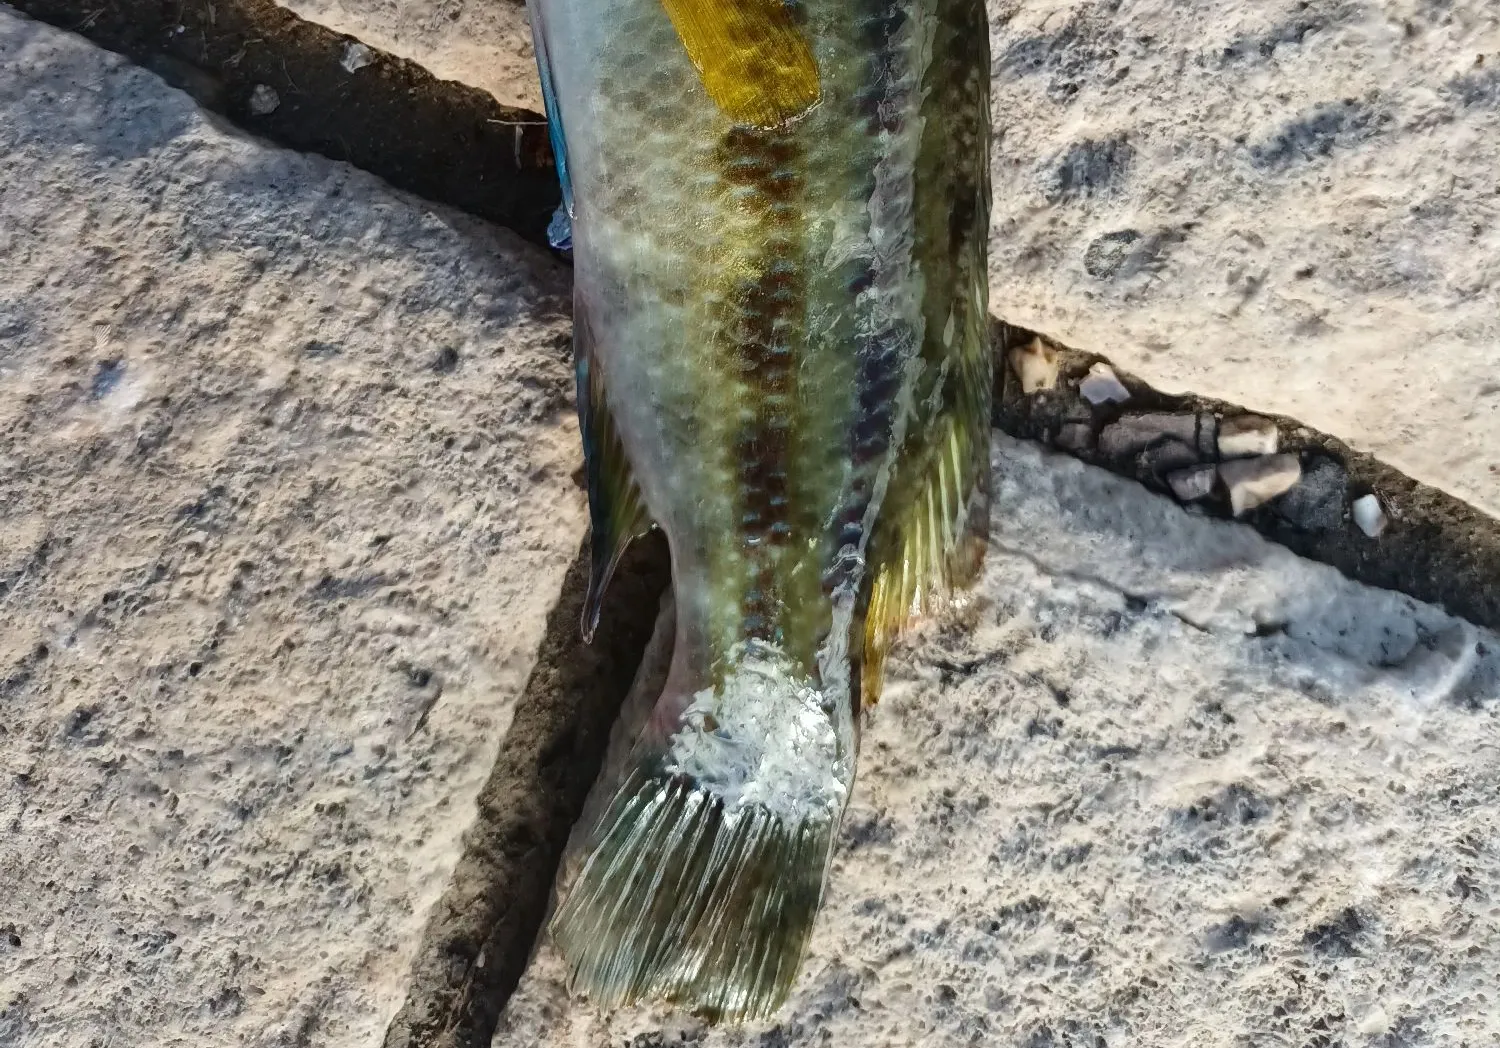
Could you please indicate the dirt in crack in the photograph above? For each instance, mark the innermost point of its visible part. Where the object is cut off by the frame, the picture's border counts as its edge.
(480, 934)
(1440, 549)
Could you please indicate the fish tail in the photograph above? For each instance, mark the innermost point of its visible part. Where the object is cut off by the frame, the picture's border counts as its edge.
(684, 901)
(706, 869)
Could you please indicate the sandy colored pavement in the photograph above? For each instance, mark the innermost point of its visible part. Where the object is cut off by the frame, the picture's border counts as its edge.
(285, 494)
(287, 488)
(485, 44)
(1290, 205)
(1164, 785)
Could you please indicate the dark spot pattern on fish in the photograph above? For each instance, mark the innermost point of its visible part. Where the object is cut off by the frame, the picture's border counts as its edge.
(881, 354)
(961, 216)
(851, 529)
(880, 26)
(766, 314)
(879, 375)
(860, 276)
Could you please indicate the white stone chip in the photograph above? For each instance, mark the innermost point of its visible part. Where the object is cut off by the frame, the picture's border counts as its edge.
(1370, 516)
(1247, 435)
(1103, 386)
(356, 56)
(1035, 364)
(264, 100)
(1193, 483)
(1254, 482)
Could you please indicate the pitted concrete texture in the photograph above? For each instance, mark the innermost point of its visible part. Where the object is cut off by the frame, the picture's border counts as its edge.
(1288, 205)
(285, 493)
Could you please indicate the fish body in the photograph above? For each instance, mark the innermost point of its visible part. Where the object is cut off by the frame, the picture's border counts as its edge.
(779, 215)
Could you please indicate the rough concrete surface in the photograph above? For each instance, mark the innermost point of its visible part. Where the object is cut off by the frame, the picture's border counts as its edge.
(298, 84)
(480, 936)
(285, 495)
(485, 44)
(1290, 205)
(1161, 784)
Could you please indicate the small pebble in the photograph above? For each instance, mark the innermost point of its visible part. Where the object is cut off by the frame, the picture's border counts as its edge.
(1102, 386)
(1193, 483)
(1035, 364)
(1167, 456)
(263, 100)
(1254, 482)
(356, 57)
(1370, 516)
(1134, 432)
(1247, 435)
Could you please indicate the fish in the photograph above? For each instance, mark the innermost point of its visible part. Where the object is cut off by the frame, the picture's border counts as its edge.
(778, 213)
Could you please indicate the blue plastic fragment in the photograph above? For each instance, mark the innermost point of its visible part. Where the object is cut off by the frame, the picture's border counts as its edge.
(560, 230)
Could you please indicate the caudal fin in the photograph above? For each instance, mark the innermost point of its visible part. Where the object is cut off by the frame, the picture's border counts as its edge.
(686, 900)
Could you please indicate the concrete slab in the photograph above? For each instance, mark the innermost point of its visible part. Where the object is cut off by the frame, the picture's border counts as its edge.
(1162, 783)
(1287, 205)
(485, 45)
(285, 494)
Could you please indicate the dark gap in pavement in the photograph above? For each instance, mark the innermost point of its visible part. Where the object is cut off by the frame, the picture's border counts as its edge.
(455, 145)
(1437, 548)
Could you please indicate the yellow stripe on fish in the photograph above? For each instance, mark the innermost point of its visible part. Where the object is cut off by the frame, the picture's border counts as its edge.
(750, 55)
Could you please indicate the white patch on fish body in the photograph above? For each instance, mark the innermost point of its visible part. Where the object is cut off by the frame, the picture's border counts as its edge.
(850, 237)
(765, 739)
(834, 662)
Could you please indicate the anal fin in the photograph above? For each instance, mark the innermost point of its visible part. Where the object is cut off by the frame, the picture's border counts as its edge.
(617, 511)
(934, 545)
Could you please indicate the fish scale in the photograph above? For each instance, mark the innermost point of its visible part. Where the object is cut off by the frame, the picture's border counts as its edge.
(765, 342)
(779, 217)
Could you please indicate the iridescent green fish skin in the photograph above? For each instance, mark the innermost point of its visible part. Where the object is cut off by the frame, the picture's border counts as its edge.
(782, 332)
